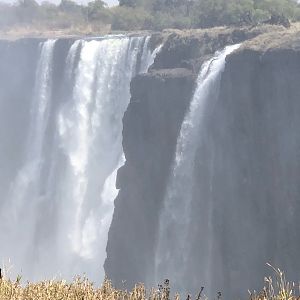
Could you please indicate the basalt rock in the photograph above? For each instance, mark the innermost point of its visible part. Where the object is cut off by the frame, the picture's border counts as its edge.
(248, 164)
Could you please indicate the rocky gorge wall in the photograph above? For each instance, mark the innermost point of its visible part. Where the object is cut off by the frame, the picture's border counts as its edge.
(151, 126)
(246, 167)
(253, 131)
(246, 171)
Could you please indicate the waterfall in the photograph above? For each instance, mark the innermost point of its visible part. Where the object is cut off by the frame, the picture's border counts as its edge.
(56, 218)
(173, 245)
(18, 215)
(148, 56)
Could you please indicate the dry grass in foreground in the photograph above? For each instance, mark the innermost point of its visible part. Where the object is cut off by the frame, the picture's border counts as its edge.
(276, 288)
(79, 289)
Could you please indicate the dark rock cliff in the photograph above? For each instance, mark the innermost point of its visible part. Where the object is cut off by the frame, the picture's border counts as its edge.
(247, 165)
(253, 136)
(151, 126)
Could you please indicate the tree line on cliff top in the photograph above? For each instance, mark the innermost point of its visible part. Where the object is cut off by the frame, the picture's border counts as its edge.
(145, 14)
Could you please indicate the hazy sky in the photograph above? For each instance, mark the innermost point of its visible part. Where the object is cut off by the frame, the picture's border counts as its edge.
(109, 2)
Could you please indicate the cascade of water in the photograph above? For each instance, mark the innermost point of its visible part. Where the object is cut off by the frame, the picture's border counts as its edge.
(21, 209)
(148, 56)
(64, 218)
(173, 237)
(90, 129)
(70, 61)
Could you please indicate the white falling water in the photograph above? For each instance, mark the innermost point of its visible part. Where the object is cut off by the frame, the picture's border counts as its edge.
(70, 61)
(21, 208)
(58, 225)
(148, 57)
(173, 237)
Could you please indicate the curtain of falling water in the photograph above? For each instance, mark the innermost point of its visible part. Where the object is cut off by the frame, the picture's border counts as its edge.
(173, 237)
(57, 215)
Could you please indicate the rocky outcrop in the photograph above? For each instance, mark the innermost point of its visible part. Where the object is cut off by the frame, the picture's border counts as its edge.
(253, 133)
(190, 48)
(151, 126)
(247, 165)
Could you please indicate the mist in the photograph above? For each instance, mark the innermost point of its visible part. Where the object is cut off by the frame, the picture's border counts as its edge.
(150, 144)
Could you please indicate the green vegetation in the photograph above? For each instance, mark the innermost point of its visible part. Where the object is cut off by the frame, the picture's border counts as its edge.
(276, 288)
(145, 14)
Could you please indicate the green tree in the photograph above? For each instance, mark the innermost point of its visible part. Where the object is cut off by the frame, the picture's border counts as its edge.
(27, 10)
(69, 6)
(97, 11)
(125, 18)
(128, 3)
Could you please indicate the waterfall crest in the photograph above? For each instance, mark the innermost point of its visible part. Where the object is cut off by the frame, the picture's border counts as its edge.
(56, 217)
(174, 237)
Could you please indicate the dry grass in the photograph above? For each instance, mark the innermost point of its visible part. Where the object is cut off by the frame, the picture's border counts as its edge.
(79, 289)
(276, 288)
(38, 31)
(276, 38)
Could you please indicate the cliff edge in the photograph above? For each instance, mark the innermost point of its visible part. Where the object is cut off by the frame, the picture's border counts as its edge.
(250, 155)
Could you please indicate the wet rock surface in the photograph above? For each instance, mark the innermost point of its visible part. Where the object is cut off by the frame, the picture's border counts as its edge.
(249, 156)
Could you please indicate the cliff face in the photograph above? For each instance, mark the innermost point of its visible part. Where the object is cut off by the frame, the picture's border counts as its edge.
(151, 126)
(252, 134)
(247, 165)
